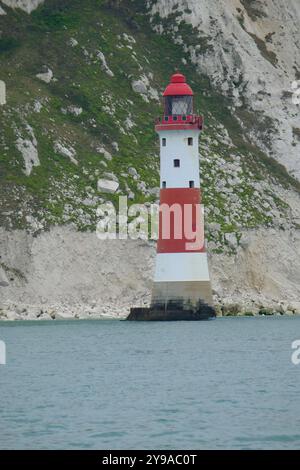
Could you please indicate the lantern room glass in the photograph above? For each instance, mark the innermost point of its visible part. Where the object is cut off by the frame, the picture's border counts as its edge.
(178, 105)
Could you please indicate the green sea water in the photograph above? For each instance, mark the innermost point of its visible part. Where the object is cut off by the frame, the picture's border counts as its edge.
(228, 383)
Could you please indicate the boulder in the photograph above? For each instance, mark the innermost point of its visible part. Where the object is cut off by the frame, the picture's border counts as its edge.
(132, 172)
(139, 86)
(75, 110)
(266, 311)
(68, 152)
(20, 310)
(110, 176)
(64, 315)
(107, 186)
(283, 307)
(10, 315)
(154, 191)
(104, 65)
(289, 313)
(142, 186)
(45, 317)
(31, 315)
(231, 240)
(73, 42)
(3, 314)
(45, 76)
(28, 149)
(104, 152)
(294, 307)
(51, 312)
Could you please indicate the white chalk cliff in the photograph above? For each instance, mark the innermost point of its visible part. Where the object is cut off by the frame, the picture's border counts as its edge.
(254, 58)
(25, 5)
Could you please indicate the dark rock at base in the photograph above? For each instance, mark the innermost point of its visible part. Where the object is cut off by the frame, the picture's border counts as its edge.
(172, 313)
(265, 311)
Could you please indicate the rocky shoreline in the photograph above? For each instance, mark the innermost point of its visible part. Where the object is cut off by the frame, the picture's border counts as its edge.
(236, 310)
(22, 312)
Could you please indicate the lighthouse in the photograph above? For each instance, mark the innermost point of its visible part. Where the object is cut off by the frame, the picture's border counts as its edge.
(181, 288)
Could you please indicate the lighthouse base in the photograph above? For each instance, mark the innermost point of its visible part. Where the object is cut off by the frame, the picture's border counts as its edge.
(175, 311)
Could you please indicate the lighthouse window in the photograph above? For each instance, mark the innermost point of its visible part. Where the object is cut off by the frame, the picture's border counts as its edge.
(192, 184)
(178, 105)
(164, 142)
(164, 184)
(190, 141)
(176, 163)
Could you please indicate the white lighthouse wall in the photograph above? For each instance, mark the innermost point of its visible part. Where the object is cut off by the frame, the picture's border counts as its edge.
(177, 148)
(172, 267)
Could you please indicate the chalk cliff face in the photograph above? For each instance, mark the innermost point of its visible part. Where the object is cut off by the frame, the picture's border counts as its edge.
(251, 52)
(69, 274)
(80, 84)
(25, 5)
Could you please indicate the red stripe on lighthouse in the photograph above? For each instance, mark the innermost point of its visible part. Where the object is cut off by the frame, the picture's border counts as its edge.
(180, 221)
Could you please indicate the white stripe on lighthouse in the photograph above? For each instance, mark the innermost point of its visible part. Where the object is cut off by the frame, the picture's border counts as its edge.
(177, 148)
(181, 267)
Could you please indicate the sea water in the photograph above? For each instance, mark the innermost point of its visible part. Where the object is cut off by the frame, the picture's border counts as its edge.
(228, 383)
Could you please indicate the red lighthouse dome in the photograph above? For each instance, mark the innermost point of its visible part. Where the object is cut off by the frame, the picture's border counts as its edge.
(178, 86)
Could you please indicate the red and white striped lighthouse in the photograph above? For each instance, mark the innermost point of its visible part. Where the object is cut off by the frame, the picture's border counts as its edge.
(181, 289)
(181, 274)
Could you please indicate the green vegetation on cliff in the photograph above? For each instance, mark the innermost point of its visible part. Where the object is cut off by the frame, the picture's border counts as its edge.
(83, 83)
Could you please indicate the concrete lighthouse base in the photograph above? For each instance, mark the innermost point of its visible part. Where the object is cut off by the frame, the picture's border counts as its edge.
(185, 292)
(181, 290)
(177, 301)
